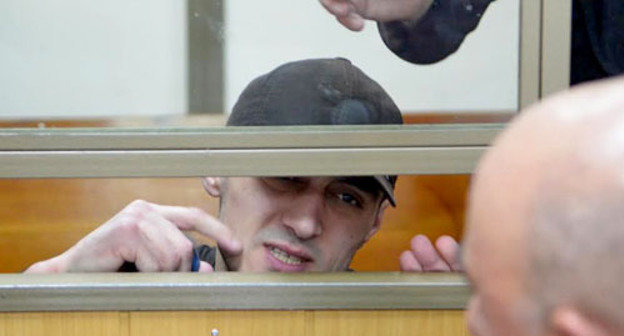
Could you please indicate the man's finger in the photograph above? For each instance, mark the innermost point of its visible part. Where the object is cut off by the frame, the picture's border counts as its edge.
(449, 250)
(353, 21)
(338, 7)
(205, 267)
(345, 12)
(145, 261)
(169, 246)
(408, 262)
(427, 255)
(198, 220)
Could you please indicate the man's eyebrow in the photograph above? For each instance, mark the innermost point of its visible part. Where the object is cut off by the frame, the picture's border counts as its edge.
(367, 184)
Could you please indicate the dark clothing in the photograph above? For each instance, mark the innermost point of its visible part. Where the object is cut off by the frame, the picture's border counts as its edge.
(597, 39)
(597, 35)
(206, 253)
(437, 34)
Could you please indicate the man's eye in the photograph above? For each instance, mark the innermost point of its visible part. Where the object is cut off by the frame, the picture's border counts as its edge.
(349, 199)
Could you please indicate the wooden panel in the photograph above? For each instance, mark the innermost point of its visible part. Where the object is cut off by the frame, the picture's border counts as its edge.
(64, 324)
(229, 323)
(234, 323)
(422, 323)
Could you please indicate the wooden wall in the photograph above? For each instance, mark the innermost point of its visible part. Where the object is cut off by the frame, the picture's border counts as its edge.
(429, 205)
(236, 323)
(40, 218)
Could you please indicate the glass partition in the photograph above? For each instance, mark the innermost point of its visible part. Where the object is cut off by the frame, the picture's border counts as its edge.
(49, 201)
(141, 80)
(148, 64)
(44, 217)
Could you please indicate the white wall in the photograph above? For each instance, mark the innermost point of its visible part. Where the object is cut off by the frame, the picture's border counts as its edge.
(74, 58)
(69, 58)
(482, 76)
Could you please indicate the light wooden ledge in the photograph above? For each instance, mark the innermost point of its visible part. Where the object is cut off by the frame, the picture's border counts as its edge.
(231, 291)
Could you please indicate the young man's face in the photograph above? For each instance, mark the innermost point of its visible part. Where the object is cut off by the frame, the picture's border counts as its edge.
(296, 224)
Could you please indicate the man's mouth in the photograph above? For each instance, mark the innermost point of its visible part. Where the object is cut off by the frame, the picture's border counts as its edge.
(284, 257)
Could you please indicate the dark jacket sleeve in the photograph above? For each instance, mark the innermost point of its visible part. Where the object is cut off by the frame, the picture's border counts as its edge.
(437, 34)
(604, 28)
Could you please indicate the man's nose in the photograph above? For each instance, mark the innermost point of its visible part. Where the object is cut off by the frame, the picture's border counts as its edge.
(304, 215)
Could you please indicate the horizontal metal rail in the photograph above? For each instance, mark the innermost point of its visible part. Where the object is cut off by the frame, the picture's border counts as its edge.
(272, 151)
(249, 137)
(259, 162)
(231, 291)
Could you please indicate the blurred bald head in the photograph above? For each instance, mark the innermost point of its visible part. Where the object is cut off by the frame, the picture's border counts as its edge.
(546, 219)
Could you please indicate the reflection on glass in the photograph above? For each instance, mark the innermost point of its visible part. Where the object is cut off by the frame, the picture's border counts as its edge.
(165, 61)
(284, 224)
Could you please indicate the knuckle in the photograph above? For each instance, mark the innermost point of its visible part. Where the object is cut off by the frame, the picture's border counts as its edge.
(132, 225)
(128, 225)
(139, 206)
(138, 202)
(142, 227)
(134, 212)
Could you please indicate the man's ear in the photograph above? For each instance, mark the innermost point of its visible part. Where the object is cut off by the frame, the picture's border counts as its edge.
(569, 321)
(212, 185)
(377, 224)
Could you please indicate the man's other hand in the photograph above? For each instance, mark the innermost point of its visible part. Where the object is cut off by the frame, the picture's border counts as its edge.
(146, 234)
(352, 13)
(425, 257)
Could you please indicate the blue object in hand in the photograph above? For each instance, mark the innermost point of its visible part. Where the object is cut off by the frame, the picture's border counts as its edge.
(195, 264)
